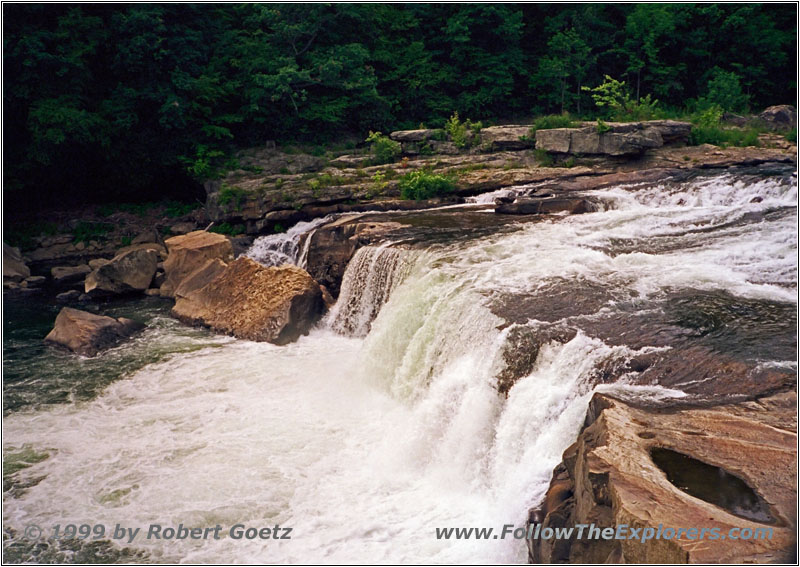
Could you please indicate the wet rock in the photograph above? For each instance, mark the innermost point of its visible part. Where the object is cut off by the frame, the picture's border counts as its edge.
(68, 275)
(189, 252)
(333, 245)
(14, 268)
(35, 281)
(67, 296)
(543, 206)
(609, 477)
(127, 272)
(86, 333)
(249, 301)
(499, 138)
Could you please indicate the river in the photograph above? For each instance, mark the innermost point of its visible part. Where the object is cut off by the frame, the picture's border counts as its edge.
(386, 422)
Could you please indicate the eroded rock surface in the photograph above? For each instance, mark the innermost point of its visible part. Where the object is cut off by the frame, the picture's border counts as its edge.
(249, 301)
(741, 460)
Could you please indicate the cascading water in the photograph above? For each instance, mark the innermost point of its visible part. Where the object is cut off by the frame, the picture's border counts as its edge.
(366, 445)
(285, 247)
(371, 276)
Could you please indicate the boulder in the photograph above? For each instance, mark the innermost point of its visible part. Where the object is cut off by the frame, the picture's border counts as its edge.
(499, 138)
(14, 268)
(97, 262)
(188, 253)
(159, 248)
(68, 275)
(201, 277)
(127, 272)
(415, 135)
(589, 141)
(149, 235)
(87, 333)
(715, 468)
(780, 117)
(249, 301)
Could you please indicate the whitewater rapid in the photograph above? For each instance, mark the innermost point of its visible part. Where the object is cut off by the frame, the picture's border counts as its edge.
(384, 423)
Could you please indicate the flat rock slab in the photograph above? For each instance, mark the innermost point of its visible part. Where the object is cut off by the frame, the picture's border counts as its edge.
(547, 205)
(87, 334)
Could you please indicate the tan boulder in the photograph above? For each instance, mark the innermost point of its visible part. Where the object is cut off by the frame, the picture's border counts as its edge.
(189, 252)
(723, 468)
(14, 268)
(87, 333)
(127, 272)
(201, 277)
(249, 301)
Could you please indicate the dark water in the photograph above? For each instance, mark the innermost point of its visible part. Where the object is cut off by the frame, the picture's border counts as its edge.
(36, 374)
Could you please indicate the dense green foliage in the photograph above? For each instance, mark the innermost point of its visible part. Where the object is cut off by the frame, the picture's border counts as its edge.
(142, 101)
(384, 149)
(422, 184)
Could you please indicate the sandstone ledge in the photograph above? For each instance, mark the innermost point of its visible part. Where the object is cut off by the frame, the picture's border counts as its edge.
(609, 478)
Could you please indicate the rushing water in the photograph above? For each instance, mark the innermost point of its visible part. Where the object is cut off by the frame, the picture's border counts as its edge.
(385, 422)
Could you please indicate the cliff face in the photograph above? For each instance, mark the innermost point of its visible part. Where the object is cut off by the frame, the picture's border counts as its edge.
(723, 468)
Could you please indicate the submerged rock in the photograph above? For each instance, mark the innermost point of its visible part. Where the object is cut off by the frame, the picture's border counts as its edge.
(127, 272)
(541, 206)
(189, 252)
(249, 301)
(719, 468)
(87, 333)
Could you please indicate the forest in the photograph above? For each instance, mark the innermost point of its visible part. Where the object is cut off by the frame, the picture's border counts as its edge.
(138, 101)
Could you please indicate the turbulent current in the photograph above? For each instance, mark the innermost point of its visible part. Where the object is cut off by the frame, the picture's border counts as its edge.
(386, 422)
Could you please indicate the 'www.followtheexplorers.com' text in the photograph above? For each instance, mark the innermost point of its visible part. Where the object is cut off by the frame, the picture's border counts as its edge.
(590, 531)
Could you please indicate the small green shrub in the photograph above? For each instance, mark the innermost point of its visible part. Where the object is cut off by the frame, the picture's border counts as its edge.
(613, 98)
(231, 195)
(602, 127)
(378, 185)
(791, 135)
(278, 228)
(227, 228)
(724, 137)
(384, 149)
(85, 231)
(126, 240)
(176, 209)
(461, 133)
(549, 122)
(543, 158)
(422, 184)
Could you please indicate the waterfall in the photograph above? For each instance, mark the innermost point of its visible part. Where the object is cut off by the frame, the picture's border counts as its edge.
(386, 421)
(371, 276)
(285, 247)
